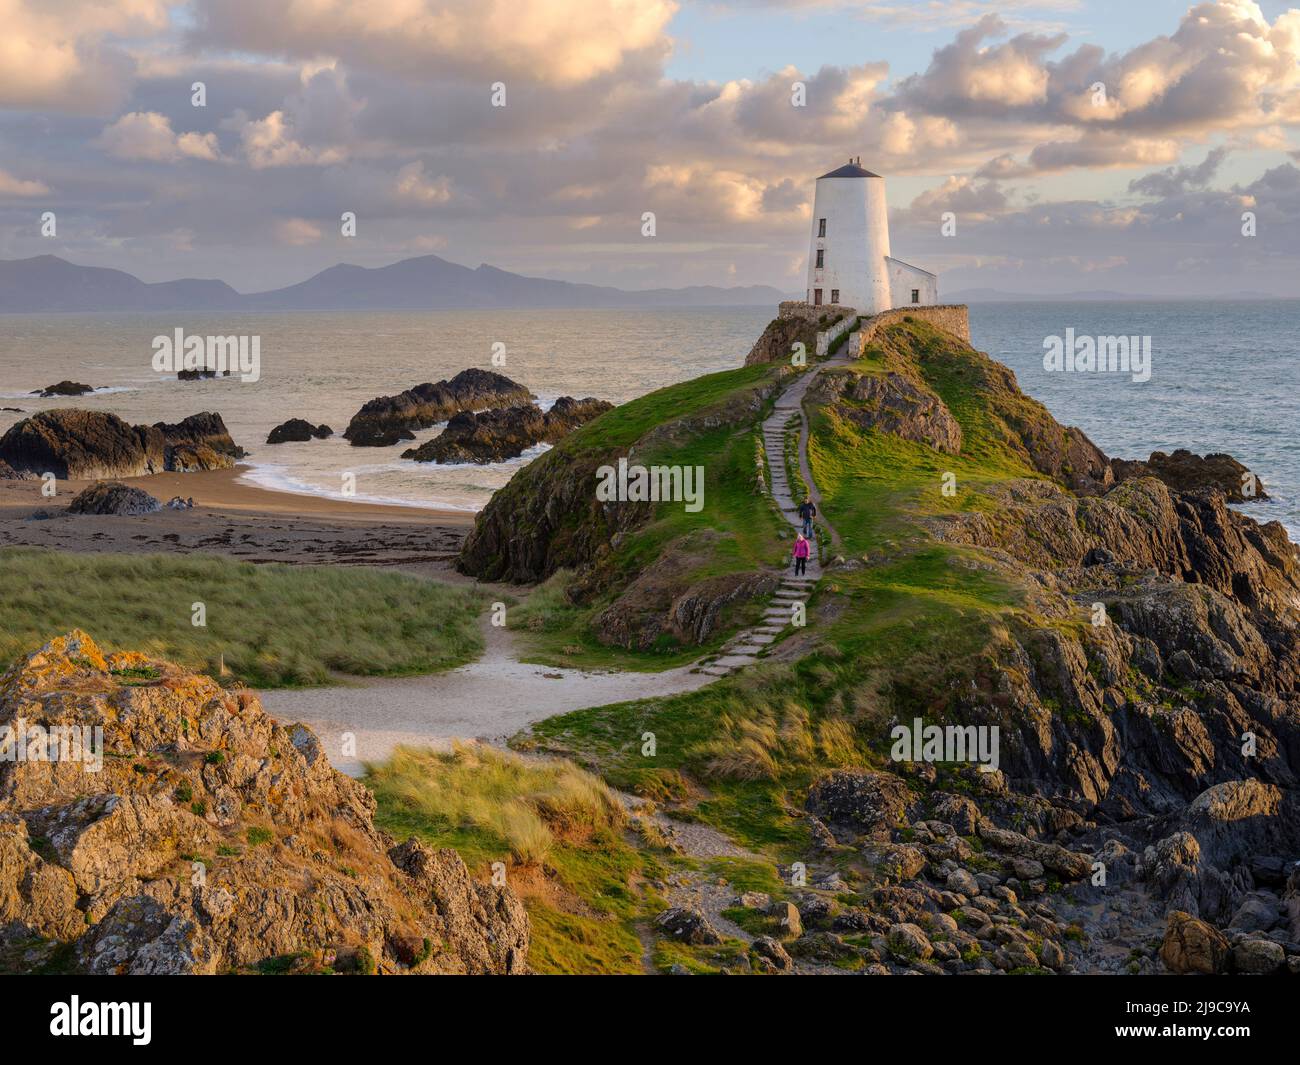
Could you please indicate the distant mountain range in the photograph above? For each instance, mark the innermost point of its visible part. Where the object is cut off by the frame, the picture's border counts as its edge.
(47, 283)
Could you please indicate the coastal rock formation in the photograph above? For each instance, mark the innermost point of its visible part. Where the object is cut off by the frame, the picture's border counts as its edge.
(113, 497)
(778, 340)
(64, 388)
(506, 433)
(387, 420)
(210, 838)
(298, 430)
(91, 445)
(1185, 472)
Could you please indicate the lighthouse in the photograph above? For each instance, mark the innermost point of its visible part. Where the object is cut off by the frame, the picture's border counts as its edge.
(849, 260)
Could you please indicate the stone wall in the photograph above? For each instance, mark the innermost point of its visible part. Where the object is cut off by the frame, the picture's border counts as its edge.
(828, 336)
(806, 312)
(950, 317)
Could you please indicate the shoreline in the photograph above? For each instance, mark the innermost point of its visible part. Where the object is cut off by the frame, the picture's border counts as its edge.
(238, 520)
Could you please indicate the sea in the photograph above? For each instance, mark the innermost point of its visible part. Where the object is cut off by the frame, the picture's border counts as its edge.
(1224, 376)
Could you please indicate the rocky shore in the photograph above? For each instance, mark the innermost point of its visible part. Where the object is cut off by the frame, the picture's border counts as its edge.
(83, 444)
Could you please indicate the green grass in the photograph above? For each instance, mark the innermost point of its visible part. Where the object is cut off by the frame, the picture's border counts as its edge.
(559, 830)
(273, 625)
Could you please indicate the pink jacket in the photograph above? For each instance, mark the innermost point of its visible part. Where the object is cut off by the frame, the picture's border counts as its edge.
(801, 549)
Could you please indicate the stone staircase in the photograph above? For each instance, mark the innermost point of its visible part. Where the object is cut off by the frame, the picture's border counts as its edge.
(744, 648)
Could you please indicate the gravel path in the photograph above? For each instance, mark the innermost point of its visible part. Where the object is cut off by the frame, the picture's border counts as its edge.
(490, 699)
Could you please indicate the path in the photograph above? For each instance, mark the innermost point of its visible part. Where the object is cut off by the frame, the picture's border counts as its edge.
(744, 648)
(490, 699)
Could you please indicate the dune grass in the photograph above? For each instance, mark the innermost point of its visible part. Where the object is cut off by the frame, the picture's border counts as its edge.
(558, 829)
(272, 625)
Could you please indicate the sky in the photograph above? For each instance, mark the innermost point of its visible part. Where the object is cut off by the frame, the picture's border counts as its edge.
(1146, 146)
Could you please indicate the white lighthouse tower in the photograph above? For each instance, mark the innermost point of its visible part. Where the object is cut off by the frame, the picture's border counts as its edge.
(849, 264)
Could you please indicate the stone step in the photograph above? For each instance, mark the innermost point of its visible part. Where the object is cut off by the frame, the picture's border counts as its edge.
(715, 671)
(735, 660)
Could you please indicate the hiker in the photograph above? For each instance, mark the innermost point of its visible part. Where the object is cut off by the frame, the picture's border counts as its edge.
(801, 551)
(807, 511)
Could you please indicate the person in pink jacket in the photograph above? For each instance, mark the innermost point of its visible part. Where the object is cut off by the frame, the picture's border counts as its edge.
(801, 552)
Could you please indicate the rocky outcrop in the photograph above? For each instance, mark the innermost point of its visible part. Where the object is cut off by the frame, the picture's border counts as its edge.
(113, 497)
(8, 473)
(506, 433)
(92, 445)
(64, 388)
(778, 341)
(547, 517)
(668, 599)
(211, 838)
(388, 420)
(894, 403)
(298, 430)
(1185, 472)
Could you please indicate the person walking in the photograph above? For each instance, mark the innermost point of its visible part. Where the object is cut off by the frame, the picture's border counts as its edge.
(801, 551)
(807, 511)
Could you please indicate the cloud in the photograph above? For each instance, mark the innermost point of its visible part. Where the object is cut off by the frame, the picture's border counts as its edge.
(1174, 180)
(412, 186)
(961, 194)
(271, 142)
(148, 135)
(558, 42)
(297, 231)
(12, 186)
(61, 55)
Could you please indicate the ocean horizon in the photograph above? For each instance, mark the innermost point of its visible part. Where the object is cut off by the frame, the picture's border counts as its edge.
(1224, 377)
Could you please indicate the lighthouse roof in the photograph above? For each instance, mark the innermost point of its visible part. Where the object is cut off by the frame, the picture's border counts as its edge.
(849, 170)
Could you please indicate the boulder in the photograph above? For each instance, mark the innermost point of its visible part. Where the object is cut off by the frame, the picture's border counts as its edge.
(786, 916)
(907, 941)
(873, 803)
(387, 420)
(506, 432)
(95, 445)
(64, 388)
(297, 430)
(142, 860)
(1184, 471)
(113, 497)
(772, 950)
(687, 926)
(1192, 946)
(1258, 956)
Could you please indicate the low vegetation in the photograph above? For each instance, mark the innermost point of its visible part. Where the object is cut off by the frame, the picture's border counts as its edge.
(268, 625)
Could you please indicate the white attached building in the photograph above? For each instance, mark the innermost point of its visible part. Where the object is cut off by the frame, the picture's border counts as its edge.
(849, 264)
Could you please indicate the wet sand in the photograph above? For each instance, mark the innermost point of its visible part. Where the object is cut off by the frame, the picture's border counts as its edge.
(236, 520)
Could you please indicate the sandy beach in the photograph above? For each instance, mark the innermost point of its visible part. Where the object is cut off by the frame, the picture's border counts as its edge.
(238, 520)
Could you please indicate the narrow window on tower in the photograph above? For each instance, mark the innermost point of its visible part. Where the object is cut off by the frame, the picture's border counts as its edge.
(821, 258)
(821, 227)
(835, 295)
(916, 295)
(817, 297)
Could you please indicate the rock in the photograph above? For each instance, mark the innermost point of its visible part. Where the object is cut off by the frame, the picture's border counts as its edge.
(962, 882)
(773, 951)
(64, 388)
(958, 811)
(1257, 913)
(504, 433)
(386, 420)
(1260, 956)
(199, 374)
(907, 941)
(1192, 946)
(897, 403)
(177, 503)
(873, 803)
(297, 430)
(1052, 955)
(1186, 472)
(1026, 868)
(113, 497)
(94, 445)
(687, 926)
(786, 915)
(8, 473)
(754, 900)
(1058, 859)
(902, 862)
(101, 857)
